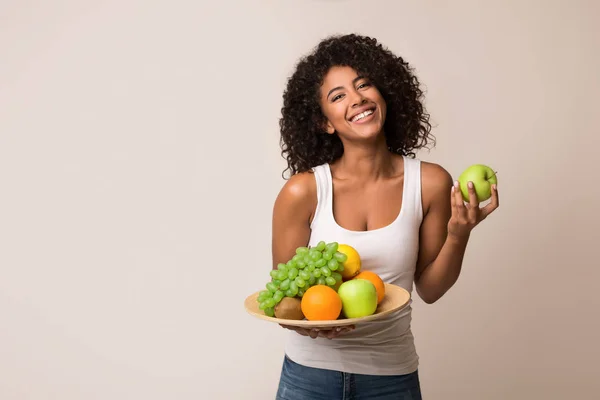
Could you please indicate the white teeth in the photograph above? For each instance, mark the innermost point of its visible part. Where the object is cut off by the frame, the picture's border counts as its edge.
(362, 115)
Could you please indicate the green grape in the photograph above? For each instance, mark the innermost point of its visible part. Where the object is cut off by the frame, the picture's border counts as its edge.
(321, 262)
(340, 268)
(330, 281)
(341, 257)
(332, 247)
(312, 280)
(300, 264)
(327, 256)
(325, 271)
(262, 296)
(337, 276)
(300, 282)
(311, 268)
(300, 292)
(270, 311)
(285, 284)
(271, 287)
(281, 266)
(292, 273)
(307, 259)
(317, 272)
(292, 290)
(315, 255)
(270, 302)
(321, 281)
(332, 264)
(273, 273)
(321, 245)
(262, 305)
(304, 274)
(301, 250)
(290, 264)
(276, 282)
(278, 296)
(281, 275)
(296, 258)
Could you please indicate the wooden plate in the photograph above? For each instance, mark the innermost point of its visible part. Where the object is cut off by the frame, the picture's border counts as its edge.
(395, 299)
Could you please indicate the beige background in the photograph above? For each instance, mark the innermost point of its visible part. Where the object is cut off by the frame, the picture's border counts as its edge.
(139, 162)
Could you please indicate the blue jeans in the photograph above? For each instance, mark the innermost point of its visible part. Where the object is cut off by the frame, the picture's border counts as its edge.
(298, 382)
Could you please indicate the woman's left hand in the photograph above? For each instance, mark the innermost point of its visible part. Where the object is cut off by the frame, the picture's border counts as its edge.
(466, 215)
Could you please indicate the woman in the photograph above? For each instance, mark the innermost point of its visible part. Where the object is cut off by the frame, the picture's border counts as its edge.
(351, 122)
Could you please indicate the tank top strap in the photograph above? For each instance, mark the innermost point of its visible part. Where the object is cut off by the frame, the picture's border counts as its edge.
(324, 187)
(412, 185)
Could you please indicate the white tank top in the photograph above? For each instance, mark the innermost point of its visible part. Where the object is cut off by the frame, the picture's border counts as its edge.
(386, 346)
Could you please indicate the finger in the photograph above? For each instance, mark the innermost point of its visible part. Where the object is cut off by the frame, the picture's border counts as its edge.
(473, 202)
(340, 330)
(459, 203)
(296, 329)
(473, 206)
(331, 333)
(313, 333)
(493, 204)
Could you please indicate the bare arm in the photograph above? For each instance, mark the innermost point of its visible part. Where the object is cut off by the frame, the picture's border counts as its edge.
(445, 232)
(292, 214)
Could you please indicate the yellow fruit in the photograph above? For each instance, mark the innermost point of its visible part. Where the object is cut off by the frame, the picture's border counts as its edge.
(352, 263)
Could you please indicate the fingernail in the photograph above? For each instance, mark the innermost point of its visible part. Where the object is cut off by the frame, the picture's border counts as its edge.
(452, 189)
(494, 186)
(470, 184)
(456, 184)
(338, 329)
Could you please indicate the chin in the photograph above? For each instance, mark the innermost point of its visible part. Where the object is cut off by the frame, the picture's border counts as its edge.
(370, 132)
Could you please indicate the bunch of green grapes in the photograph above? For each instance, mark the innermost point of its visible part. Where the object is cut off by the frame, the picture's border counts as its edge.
(319, 265)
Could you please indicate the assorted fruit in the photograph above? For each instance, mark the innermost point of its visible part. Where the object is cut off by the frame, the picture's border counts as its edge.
(322, 283)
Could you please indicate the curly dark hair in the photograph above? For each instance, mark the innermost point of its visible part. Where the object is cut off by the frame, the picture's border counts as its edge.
(304, 143)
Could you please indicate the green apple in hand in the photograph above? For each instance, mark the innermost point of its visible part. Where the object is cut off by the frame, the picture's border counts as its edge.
(359, 298)
(482, 176)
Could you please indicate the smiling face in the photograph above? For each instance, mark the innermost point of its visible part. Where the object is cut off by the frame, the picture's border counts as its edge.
(352, 105)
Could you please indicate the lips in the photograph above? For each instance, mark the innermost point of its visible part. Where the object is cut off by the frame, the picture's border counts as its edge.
(362, 113)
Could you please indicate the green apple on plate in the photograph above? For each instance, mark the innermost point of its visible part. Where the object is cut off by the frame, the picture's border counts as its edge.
(359, 298)
(482, 176)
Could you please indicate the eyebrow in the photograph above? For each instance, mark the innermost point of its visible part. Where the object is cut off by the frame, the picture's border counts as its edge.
(358, 78)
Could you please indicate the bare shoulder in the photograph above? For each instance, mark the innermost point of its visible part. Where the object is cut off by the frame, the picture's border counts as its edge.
(298, 194)
(299, 188)
(433, 174)
(292, 215)
(436, 183)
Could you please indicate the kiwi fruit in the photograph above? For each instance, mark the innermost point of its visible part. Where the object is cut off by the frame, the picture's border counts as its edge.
(289, 308)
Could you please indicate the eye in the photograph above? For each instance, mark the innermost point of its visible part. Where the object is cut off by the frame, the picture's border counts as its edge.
(337, 97)
(364, 85)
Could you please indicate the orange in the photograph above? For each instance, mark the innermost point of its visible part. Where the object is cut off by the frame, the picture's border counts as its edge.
(375, 280)
(321, 303)
(352, 263)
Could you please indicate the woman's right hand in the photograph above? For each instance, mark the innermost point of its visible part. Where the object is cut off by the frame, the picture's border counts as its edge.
(328, 333)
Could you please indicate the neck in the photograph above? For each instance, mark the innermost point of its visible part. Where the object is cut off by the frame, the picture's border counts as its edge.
(366, 161)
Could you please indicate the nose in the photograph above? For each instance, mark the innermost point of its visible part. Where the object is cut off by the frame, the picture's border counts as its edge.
(358, 99)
